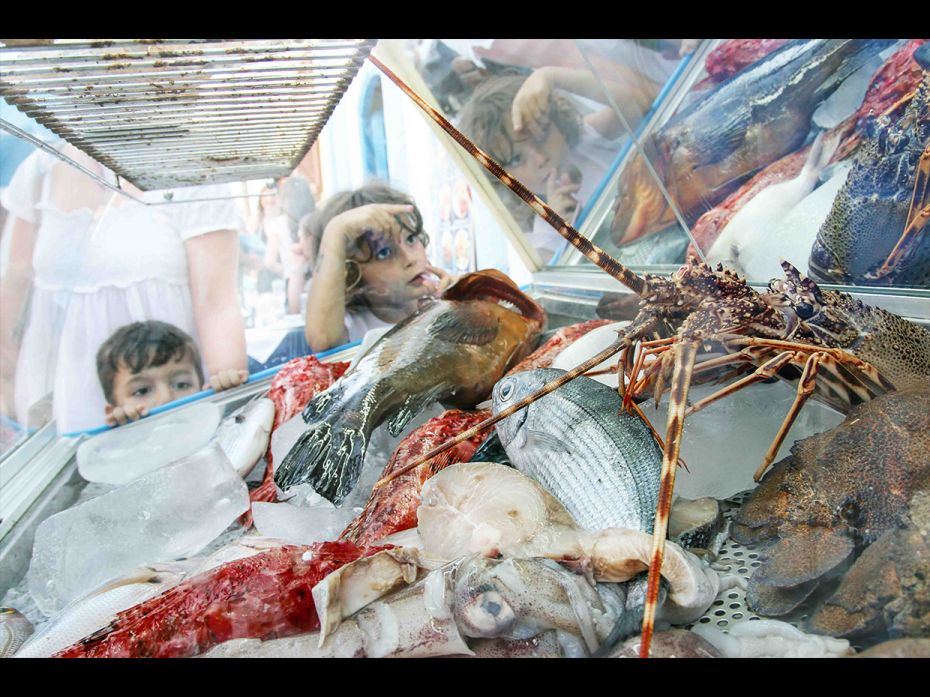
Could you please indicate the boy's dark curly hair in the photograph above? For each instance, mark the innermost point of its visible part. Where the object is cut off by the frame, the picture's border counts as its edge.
(142, 345)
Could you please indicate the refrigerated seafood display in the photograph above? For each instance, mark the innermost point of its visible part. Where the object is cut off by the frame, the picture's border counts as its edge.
(756, 459)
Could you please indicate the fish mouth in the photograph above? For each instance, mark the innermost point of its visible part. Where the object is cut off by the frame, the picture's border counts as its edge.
(493, 286)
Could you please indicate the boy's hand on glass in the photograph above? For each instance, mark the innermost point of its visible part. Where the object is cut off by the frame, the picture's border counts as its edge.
(560, 195)
(530, 108)
(225, 379)
(349, 225)
(119, 416)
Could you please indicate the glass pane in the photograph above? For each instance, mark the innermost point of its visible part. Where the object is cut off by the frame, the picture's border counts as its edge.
(803, 150)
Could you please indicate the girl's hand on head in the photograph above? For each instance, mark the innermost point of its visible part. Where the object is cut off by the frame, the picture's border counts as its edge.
(530, 108)
(225, 379)
(120, 416)
(349, 225)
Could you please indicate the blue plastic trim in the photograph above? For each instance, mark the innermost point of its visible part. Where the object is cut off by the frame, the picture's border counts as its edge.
(255, 377)
(595, 197)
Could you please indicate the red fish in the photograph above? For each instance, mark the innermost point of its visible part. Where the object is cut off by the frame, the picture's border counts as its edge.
(264, 596)
(562, 339)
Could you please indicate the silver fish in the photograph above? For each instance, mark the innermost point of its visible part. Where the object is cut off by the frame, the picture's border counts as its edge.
(14, 630)
(244, 434)
(600, 462)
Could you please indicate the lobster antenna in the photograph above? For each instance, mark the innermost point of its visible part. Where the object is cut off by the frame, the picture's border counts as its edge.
(577, 240)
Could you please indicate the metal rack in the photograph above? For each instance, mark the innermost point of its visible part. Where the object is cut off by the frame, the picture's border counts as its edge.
(162, 113)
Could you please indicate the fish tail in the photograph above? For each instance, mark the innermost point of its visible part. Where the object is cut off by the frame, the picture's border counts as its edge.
(303, 456)
(339, 473)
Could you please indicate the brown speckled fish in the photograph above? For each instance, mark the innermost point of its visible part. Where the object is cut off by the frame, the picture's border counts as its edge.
(452, 351)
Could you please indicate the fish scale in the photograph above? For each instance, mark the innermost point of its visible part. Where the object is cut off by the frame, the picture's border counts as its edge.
(604, 468)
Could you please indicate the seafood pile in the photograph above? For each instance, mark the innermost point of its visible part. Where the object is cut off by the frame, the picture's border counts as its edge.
(832, 346)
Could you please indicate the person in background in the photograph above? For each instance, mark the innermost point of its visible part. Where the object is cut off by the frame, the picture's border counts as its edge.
(147, 364)
(86, 260)
(371, 268)
(538, 135)
(294, 200)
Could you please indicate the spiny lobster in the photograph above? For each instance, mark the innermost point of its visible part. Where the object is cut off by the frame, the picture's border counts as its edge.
(795, 331)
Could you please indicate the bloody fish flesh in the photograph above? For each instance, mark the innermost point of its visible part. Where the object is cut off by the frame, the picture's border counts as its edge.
(263, 596)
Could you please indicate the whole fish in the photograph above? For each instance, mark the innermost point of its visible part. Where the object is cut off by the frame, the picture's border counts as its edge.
(752, 119)
(601, 462)
(14, 630)
(244, 434)
(452, 350)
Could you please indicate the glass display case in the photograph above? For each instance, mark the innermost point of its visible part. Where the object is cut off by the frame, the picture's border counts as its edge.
(672, 156)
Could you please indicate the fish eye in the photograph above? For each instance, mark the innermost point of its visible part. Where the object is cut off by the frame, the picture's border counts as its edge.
(804, 310)
(506, 391)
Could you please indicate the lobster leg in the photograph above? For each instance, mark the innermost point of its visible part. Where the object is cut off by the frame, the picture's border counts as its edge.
(765, 371)
(916, 220)
(805, 389)
(681, 377)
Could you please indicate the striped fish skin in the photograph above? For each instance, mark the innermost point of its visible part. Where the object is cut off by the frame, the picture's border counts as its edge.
(14, 630)
(600, 462)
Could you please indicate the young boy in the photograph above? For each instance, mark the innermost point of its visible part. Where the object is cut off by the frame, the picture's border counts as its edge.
(147, 364)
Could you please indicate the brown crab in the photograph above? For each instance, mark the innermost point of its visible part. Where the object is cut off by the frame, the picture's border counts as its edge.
(837, 493)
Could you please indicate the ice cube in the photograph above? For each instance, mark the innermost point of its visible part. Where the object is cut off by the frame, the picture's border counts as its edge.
(301, 525)
(170, 513)
(724, 443)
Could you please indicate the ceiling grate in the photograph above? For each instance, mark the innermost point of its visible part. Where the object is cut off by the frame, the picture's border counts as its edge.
(163, 113)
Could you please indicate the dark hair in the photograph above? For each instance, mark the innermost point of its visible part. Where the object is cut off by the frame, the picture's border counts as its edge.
(486, 114)
(373, 192)
(142, 345)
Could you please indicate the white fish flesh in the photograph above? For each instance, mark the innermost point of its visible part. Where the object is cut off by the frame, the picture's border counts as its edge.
(486, 508)
(755, 221)
(601, 462)
(772, 639)
(244, 434)
(14, 630)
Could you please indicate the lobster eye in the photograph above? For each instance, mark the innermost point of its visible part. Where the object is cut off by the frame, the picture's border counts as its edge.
(804, 310)
(506, 391)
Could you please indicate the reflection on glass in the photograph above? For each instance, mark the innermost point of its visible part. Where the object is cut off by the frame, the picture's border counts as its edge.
(81, 261)
(807, 150)
(538, 109)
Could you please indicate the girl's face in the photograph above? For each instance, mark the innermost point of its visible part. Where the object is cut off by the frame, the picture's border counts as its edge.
(395, 272)
(533, 161)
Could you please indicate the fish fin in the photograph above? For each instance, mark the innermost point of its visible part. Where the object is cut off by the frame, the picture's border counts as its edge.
(729, 137)
(319, 406)
(466, 325)
(303, 455)
(329, 461)
(412, 406)
(540, 440)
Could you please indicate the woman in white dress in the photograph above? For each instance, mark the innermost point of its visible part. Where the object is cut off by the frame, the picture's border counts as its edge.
(93, 261)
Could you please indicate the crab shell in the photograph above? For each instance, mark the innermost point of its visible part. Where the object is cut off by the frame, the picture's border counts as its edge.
(836, 493)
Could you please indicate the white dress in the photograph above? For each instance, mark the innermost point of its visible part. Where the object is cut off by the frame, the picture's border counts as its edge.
(96, 271)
